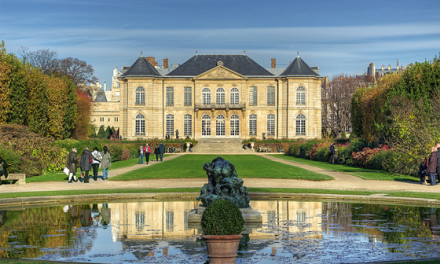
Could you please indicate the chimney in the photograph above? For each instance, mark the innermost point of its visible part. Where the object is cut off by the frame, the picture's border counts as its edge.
(273, 63)
(152, 60)
(165, 63)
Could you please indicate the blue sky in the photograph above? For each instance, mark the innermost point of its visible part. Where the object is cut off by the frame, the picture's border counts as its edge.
(338, 36)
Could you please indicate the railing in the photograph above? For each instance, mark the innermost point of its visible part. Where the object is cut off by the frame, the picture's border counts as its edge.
(220, 106)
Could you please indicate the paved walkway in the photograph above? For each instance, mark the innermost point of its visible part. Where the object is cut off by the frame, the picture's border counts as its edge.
(342, 181)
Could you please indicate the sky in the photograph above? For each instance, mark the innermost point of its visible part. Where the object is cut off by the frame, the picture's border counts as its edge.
(339, 36)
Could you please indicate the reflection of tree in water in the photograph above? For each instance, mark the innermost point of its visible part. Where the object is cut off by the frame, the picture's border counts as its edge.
(24, 233)
(396, 224)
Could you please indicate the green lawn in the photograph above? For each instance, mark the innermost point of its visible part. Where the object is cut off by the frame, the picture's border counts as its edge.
(366, 174)
(247, 166)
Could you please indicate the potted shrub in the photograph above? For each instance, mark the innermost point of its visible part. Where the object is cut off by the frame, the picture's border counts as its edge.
(222, 224)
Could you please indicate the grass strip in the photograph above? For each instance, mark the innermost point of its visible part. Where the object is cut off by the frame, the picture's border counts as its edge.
(247, 166)
(423, 195)
(364, 173)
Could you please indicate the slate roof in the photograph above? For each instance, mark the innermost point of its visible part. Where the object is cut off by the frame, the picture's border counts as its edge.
(100, 96)
(141, 67)
(199, 64)
(298, 68)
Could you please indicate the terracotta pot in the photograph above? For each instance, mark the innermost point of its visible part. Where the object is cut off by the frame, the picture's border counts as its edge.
(222, 249)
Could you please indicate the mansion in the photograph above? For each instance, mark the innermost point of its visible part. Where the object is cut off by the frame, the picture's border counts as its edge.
(212, 96)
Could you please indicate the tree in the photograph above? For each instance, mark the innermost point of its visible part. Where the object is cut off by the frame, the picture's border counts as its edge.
(337, 97)
(44, 59)
(5, 89)
(82, 124)
(77, 70)
(38, 106)
(71, 112)
(18, 113)
(101, 132)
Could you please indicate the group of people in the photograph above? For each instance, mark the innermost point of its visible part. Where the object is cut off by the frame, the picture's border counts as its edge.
(431, 167)
(88, 161)
(146, 151)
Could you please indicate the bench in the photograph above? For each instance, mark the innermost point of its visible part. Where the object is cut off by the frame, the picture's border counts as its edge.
(19, 178)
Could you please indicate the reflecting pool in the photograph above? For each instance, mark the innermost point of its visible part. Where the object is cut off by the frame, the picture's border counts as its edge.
(157, 232)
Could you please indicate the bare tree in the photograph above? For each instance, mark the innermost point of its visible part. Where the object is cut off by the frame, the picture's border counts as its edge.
(43, 58)
(336, 104)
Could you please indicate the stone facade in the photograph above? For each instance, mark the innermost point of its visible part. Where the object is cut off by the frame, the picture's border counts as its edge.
(232, 97)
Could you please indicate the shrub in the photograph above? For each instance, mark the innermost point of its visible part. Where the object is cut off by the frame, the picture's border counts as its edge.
(323, 154)
(116, 152)
(295, 149)
(345, 154)
(306, 148)
(12, 159)
(222, 217)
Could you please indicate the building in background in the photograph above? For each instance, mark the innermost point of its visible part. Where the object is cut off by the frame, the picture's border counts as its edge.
(212, 96)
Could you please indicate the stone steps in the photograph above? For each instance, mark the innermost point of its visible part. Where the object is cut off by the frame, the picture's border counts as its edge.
(220, 146)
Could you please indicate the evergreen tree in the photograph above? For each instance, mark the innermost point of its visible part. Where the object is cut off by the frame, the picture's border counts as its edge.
(18, 113)
(101, 132)
(5, 90)
(38, 106)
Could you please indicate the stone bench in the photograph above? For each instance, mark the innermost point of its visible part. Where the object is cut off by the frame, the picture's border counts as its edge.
(19, 178)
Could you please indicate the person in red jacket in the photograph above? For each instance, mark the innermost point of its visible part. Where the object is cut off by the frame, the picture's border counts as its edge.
(432, 165)
(147, 151)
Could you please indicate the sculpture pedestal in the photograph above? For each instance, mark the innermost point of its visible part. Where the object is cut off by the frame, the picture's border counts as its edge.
(250, 216)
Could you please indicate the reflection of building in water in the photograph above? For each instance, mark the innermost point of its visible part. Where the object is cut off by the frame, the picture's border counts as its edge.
(149, 220)
(297, 216)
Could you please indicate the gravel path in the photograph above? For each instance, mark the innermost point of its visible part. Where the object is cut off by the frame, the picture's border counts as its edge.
(342, 181)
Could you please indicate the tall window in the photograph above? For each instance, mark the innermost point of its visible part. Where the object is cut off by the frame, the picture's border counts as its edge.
(170, 96)
(206, 125)
(220, 96)
(270, 95)
(301, 96)
(187, 121)
(140, 96)
(271, 125)
(252, 125)
(206, 96)
(235, 96)
(140, 125)
(300, 125)
(187, 96)
(170, 125)
(139, 220)
(220, 125)
(253, 95)
(235, 125)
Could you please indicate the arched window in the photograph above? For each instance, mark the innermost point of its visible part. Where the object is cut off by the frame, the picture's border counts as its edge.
(206, 125)
(187, 121)
(170, 125)
(301, 96)
(206, 96)
(252, 125)
(220, 96)
(300, 125)
(220, 125)
(235, 125)
(140, 96)
(140, 125)
(271, 125)
(235, 96)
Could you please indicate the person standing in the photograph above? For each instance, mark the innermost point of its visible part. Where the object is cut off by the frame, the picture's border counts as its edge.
(156, 152)
(422, 171)
(161, 151)
(147, 151)
(86, 162)
(432, 165)
(3, 168)
(106, 162)
(72, 164)
(141, 155)
(97, 157)
(438, 161)
(332, 153)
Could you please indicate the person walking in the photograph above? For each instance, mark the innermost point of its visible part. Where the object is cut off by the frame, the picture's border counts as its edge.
(97, 157)
(141, 155)
(438, 161)
(432, 165)
(147, 151)
(332, 153)
(156, 152)
(86, 162)
(72, 164)
(106, 162)
(3, 168)
(161, 151)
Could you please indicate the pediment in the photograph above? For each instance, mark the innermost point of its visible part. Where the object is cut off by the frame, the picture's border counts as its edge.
(220, 72)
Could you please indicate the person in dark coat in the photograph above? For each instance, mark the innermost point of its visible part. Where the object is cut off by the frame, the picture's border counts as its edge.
(438, 161)
(422, 171)
(161, 151)
(86, 163)
(432, 165)
(72, 164)
(3, 168)
(156, 152)
(332, 153)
